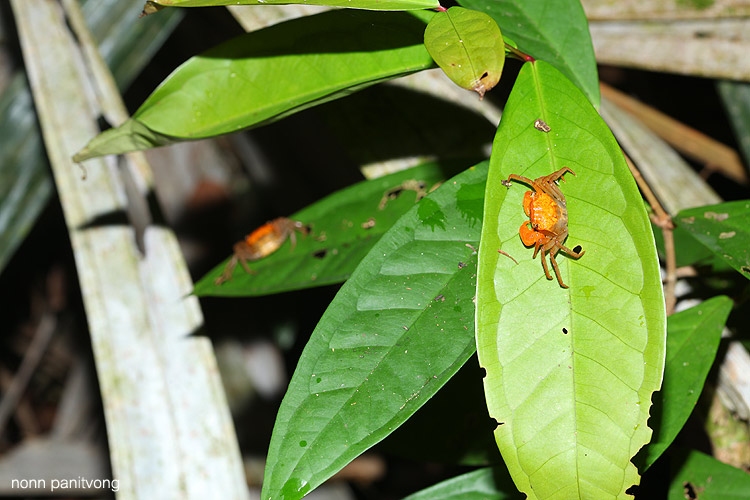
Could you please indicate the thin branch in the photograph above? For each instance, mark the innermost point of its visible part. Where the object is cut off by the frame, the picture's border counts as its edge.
(662, 219)
(714, 155)
(42, 337)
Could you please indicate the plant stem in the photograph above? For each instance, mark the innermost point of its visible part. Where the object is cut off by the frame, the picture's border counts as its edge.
(519, 54)
(664, 221)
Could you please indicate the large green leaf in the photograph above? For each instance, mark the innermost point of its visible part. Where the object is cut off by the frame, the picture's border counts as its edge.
(482, 484)
(556, 32)
(570, 372)
(724, 229)
(703, 477)
(468, 46)
(398, 329)
(344, 227)
(351, 4)
(692, 342)
(271, 73)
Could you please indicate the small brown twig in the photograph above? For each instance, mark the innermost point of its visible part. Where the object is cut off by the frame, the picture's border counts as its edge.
(508, 255)
(44, 332)
(686, 272)
(715, 156)
(662, 219)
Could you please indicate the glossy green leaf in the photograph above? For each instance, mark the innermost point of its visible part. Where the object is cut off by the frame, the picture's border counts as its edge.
(481, 484)
(705, 478)
(271, 73)
(398, 329)
(570, 372)
(468, 46)
(724, 229)
(556, 32)
(692, 343)
(344, 225)
(350, 4)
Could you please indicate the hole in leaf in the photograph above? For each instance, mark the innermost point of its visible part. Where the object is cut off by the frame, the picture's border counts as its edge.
(689, 490)
(319, 254)
(565, 331)
(484, 372)
(577, 249)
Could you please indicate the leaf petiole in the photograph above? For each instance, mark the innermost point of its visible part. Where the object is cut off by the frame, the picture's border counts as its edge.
(518, 53)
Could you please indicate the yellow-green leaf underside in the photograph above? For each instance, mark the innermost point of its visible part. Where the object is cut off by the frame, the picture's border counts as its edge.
(570, 372)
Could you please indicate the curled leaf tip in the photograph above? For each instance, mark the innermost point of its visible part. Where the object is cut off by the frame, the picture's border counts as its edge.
(481, 87)
(150, 8)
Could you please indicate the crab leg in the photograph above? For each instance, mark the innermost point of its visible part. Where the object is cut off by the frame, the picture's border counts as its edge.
(537, 246)
(548, 185)
(557, 271)
(519, 178)
(557, 175)
(544, 184)
(247, 269)
(544, 265)
(571, 253)
(227, 274)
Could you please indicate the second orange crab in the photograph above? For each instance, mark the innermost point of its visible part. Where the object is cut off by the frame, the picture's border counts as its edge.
(261, 243)
(547, 227)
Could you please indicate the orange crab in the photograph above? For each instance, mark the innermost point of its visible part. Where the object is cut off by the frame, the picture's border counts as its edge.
(261, 243)
(547, 226)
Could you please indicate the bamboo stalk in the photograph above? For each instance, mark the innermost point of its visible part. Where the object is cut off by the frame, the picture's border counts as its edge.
(170, 433)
